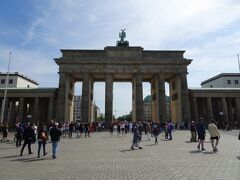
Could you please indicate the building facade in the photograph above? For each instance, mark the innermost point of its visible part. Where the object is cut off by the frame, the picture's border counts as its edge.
(17, 80)
(36, 105)
(220, 104)
(223, 80)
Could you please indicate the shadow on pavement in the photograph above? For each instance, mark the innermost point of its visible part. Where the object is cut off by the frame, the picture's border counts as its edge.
(32, 159)
(128, 150)
(209, 152)
(164, 140)
(195, 152)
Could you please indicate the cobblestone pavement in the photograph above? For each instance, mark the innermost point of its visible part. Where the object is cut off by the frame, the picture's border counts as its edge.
(104, 157)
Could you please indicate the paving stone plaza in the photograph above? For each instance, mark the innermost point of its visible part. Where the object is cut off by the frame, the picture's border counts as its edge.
(104, 157)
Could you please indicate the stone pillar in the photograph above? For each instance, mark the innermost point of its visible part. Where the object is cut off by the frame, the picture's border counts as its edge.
(161, 97)
(64, 98)
(184, 98)
(61, 98)
(13, 111)
(10, 111)
(209, 109)
(237, 111)
(230, 112)
(86, 98)
(225, 110)
(6, 111)
(154, 102)
(21, 109)
(91, 103)
(108, 99)
(137, 98)
(50, 109)
(36, 110)
(159, 107)
(195, 109)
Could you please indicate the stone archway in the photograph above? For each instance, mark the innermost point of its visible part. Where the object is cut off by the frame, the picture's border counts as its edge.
(130, 64)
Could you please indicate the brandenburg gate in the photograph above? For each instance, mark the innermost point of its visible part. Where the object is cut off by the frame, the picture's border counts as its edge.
(124, 63)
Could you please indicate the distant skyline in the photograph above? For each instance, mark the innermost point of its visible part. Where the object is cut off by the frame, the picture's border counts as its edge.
(35, 31)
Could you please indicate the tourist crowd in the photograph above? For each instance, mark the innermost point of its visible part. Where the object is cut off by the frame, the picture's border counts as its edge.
(29, 133)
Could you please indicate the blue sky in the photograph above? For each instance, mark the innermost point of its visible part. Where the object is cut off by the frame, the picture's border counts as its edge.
(35, 31)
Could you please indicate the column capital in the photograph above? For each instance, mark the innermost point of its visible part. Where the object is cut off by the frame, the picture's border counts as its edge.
(160, 75)
(108, 77)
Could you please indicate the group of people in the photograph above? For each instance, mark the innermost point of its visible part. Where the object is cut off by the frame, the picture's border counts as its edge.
(77, 127)
(151, 129)
(198, 129)
(30, 133)
(120, 128)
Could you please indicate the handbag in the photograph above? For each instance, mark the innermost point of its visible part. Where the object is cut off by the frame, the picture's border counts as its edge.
(239, 136)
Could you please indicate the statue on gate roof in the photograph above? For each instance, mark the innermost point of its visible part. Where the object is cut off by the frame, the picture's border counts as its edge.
(122, 42)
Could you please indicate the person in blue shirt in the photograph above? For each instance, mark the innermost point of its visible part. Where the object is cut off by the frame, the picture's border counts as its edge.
(201, 133)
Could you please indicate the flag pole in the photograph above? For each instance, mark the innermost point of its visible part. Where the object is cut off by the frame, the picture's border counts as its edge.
(6, 87)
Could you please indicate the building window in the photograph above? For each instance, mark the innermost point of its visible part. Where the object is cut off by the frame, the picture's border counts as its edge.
(228, 81)
(236, 81)
(2, 81)
(10, 81)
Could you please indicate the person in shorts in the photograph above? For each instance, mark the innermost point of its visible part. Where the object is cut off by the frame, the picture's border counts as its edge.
(214, 135)
(201, 133)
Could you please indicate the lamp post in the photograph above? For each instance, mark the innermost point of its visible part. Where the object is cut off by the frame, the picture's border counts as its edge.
(5, 92)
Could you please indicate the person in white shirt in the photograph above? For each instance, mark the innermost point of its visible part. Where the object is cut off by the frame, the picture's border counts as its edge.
(214, 134)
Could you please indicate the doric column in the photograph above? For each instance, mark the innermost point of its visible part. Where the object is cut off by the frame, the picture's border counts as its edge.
(86, 98)
(237, 111)
(161, 99)
(225, 110)
(230, 111)
(6, 110)
(184, 98)
(209, 109)
(64, 98)
(195, 109)
(35, 110)
(61, 98)
(108, 99)
(50, 109)
(137, 98)
(21, 109)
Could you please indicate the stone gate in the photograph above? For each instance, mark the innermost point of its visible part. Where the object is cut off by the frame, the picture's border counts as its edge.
(124, 64)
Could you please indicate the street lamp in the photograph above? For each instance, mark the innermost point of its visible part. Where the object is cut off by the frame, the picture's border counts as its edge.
(5, 92)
